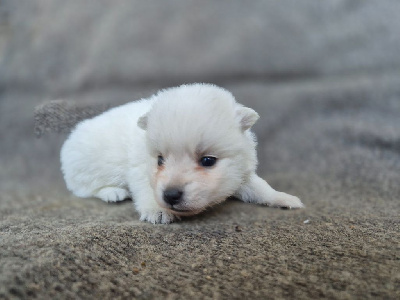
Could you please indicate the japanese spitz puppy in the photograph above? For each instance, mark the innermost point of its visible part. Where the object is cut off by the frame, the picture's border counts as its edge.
(175, 154)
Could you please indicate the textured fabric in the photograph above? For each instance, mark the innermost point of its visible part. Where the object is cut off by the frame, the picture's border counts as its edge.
(62, 116)
(333, 143)
(64, 46)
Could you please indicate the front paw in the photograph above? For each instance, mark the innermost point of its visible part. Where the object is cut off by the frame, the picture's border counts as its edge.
(112, 194)
(157, 216)
(287, 201)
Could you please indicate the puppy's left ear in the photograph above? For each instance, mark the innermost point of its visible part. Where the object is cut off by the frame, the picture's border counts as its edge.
(142, 122)
(246, 117)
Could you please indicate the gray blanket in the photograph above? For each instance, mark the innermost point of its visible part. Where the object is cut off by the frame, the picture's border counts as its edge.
(331, 137)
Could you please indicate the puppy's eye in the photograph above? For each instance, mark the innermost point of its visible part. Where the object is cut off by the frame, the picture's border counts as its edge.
(208, 161)
(160, 161)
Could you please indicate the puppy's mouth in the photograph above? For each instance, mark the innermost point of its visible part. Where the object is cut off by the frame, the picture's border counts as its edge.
(179, 210)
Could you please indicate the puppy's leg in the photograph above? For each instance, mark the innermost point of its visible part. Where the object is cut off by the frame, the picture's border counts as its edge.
(112, 194)
(257, 190)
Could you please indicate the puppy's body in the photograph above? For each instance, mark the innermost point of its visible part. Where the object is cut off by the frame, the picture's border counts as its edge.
(176, 153)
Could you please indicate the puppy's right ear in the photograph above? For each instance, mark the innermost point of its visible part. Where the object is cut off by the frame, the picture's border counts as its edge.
(246, 117)
(142, 122)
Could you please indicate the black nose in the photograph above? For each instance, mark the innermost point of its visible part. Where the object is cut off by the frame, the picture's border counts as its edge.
(173, 196)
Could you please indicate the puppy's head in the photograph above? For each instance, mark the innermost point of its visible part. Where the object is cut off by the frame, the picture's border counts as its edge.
(200, 146)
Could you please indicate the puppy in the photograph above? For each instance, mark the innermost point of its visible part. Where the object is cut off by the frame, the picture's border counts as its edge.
(175, 154)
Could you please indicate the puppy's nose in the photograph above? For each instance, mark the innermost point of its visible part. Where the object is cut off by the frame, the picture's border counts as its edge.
(173, 196)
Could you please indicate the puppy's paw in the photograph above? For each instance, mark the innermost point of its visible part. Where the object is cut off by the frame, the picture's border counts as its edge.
(287, 201)
(112, 194)
(157, 216)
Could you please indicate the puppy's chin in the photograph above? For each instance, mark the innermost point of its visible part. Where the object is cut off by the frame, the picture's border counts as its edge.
(181, 212)
(184, 213)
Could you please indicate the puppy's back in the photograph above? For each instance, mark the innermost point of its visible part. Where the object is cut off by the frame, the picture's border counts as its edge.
(98, 150)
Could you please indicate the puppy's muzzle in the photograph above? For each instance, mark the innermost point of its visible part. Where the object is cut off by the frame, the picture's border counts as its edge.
(173, 196)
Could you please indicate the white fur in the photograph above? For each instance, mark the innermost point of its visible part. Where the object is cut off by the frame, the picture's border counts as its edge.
(114, 155)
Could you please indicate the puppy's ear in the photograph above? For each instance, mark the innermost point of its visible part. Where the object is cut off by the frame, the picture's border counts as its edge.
(142, 122)
(246, 117)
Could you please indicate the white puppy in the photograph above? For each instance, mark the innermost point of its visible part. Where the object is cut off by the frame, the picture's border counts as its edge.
(175, 154)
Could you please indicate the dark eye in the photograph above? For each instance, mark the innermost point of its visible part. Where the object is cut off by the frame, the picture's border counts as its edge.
(208, 161)
(160, 160)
